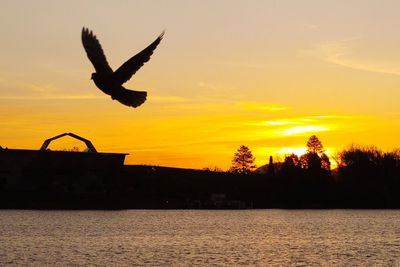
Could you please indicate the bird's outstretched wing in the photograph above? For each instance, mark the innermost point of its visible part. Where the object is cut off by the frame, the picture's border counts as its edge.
(125, 72)
(95, 52)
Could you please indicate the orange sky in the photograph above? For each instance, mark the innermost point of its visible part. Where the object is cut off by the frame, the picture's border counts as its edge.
(266, 74)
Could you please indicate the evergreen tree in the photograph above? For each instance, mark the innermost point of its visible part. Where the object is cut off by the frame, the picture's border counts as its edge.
(243, 161)
(314, 145)
(315, 158)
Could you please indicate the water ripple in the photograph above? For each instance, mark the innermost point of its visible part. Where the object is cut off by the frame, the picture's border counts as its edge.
(202, 238)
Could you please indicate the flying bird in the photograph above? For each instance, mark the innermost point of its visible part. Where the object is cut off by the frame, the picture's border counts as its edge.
(109, 81)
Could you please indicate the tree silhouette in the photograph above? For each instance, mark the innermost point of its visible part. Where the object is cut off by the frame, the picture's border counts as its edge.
(291, 167)
(243, 161)
(73, 149)
(314, 145)
(291, 161)
(310, 161)
(315, 158)
(271, 167)
(213, 169)
(325, 162)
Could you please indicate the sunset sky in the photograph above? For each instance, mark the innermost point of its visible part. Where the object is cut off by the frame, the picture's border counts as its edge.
(266, 74)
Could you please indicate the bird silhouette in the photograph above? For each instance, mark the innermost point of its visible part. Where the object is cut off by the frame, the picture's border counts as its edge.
(109, 81)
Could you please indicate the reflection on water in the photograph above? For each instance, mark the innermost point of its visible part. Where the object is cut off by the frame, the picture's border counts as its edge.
(154, 237)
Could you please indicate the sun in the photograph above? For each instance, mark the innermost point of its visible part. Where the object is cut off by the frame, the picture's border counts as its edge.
(292, 150)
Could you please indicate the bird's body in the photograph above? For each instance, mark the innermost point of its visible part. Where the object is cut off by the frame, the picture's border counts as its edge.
(104, 82)
(109, 81)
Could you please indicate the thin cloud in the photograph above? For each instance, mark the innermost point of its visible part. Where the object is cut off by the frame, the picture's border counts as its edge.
(160, 99)
(303, 120)
(312, 26)
(280, 123)
(167, 99)
(304, 129)
(55, 97)
(244, 65)
(207, 85)
(263, 106)
(342, 53)
(300, 126)
(15, 89)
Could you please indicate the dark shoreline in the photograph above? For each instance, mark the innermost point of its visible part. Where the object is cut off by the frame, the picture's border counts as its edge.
(154, 187)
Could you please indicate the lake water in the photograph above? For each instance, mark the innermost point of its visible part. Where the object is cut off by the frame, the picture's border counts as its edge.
(202, 238)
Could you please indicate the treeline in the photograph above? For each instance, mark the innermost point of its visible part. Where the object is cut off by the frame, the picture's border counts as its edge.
(365, 177)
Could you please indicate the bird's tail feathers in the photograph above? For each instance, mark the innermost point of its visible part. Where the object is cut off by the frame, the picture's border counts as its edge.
(131, 98)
